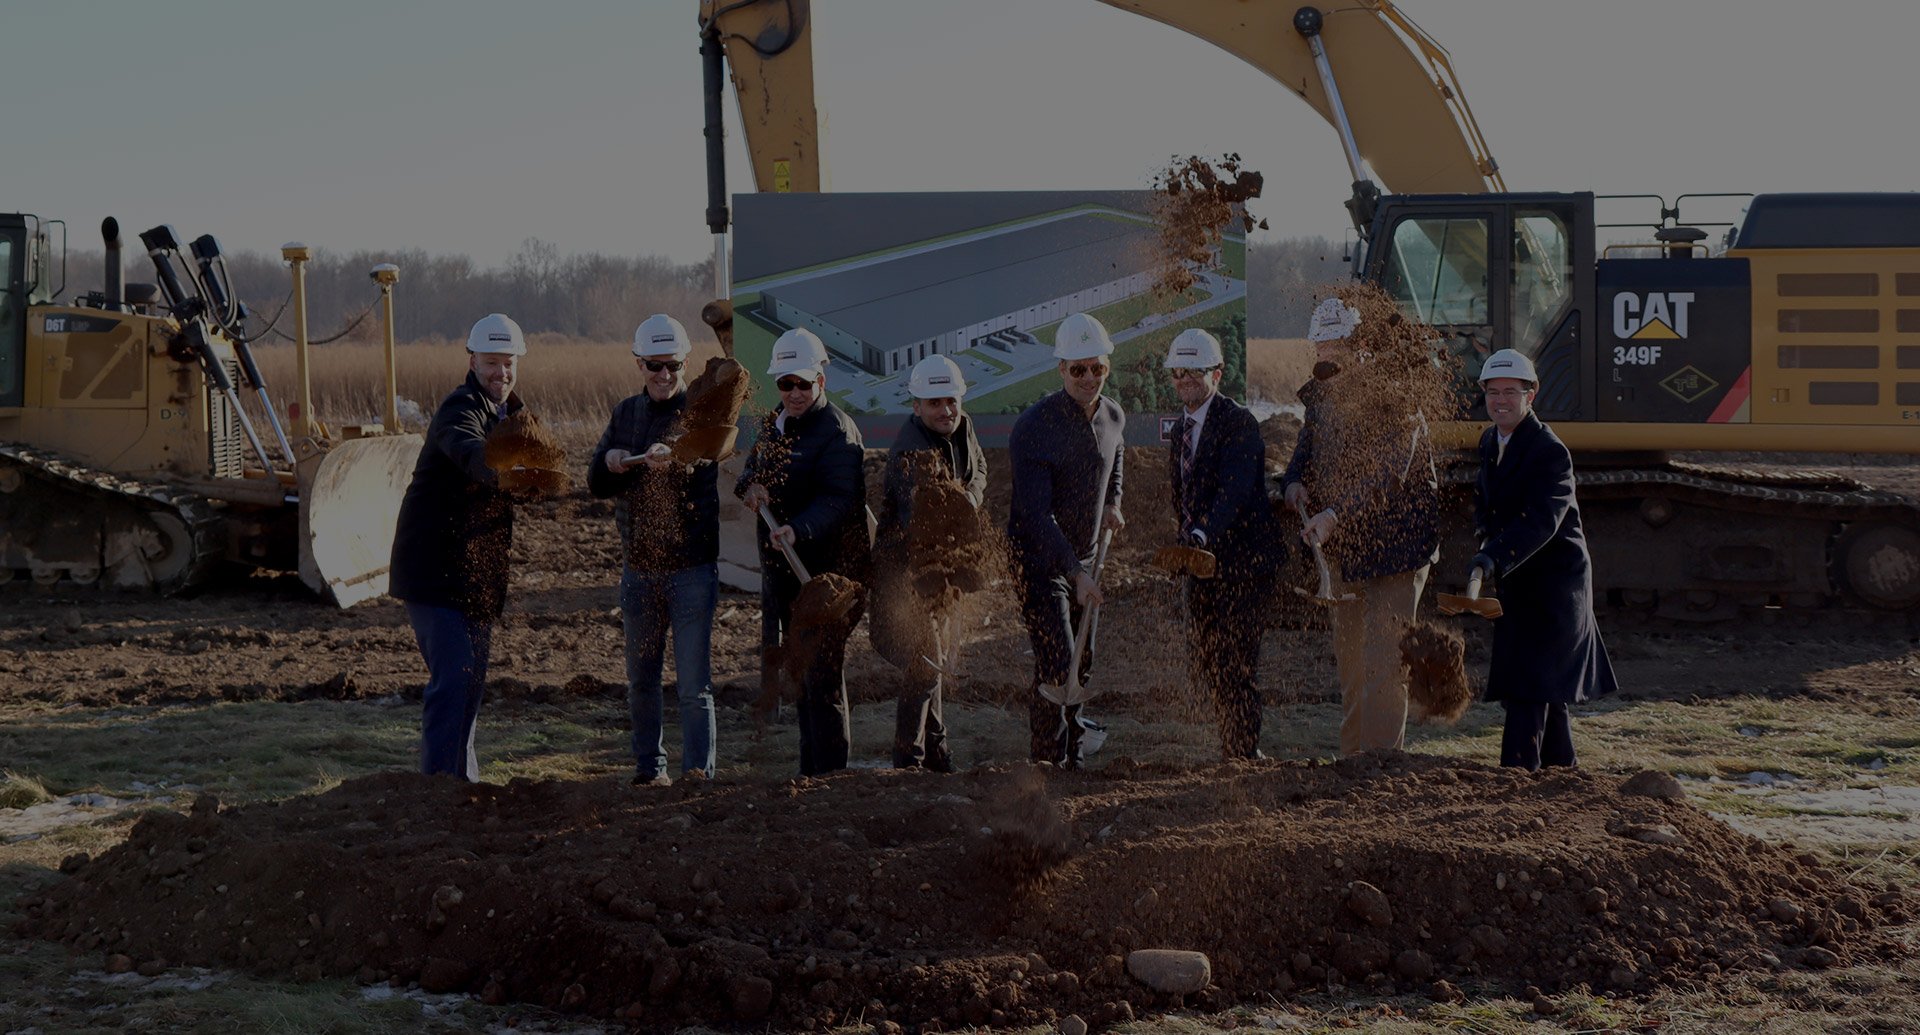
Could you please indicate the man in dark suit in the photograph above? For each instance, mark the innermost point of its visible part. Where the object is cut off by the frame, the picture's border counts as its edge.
(806, 469)
(1217, 465)
(1547, 652)
(1066, 453)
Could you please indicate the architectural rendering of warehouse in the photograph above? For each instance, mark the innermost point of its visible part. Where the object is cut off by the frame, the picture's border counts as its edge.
(985, 291)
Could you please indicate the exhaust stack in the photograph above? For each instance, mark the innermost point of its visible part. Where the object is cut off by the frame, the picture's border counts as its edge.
(111, 286)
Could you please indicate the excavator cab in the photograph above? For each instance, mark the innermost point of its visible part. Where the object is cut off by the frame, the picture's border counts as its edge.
(13, 308)
(1495, 271)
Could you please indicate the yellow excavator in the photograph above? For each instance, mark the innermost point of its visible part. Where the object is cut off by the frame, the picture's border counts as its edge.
(127, 456)
(1802, 335)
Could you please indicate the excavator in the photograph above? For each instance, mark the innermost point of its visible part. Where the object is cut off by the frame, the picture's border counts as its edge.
(1801, 334)
(127, 456)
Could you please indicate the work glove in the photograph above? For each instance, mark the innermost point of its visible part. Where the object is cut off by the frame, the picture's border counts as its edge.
(1482, 563)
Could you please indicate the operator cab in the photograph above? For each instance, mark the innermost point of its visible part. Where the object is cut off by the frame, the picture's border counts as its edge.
(1494, 271)
(14, 288)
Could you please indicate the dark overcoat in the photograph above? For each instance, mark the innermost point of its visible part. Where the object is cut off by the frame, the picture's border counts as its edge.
(451, 543)
(1546, 645)
(1226, 496)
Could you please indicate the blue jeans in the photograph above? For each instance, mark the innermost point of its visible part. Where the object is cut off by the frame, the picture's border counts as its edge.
(649, 602)
(455, 648)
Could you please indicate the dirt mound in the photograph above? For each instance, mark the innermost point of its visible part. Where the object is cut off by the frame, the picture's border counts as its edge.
(992, 897)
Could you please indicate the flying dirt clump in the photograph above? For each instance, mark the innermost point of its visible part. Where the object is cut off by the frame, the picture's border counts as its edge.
(1436, 660)
(711, 422)
(525, 455)
(949, 552)
(1196, 201)
(823, 617)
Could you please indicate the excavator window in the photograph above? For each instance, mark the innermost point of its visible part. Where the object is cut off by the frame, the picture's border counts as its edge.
(12, 316)
(1541, 277)
(1437, 271)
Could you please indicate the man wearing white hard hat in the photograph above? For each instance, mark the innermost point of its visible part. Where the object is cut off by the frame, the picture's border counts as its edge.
(1217, 472)
(1066, 452)
(1547, 651)
(1363, 473)
(668, 517)
(805, 467)
(451, 543)
(936, 440)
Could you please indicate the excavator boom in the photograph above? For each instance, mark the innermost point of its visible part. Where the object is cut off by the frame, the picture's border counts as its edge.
(1408, 114)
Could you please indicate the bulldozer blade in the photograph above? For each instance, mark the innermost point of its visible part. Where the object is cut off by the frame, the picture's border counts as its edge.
(1457, 603)
(1186, 560)
(714, 444)
(347, 516)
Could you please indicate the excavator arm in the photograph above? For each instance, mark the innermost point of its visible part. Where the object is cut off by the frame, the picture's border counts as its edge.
(1386, 85)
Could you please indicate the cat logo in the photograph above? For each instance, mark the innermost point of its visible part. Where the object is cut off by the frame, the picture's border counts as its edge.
(1658, 314)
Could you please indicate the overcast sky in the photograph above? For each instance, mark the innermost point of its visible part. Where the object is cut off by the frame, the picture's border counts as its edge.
(470, 125)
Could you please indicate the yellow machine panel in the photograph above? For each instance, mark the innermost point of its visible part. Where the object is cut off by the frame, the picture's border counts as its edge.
(1836, 336)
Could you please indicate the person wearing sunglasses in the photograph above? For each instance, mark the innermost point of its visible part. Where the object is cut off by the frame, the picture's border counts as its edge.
(805, 467)
(451, 544)
(1217, 474)
(1362, 471)
(937, 438)
(667, 515)
(1066, 452)
(1547, 653)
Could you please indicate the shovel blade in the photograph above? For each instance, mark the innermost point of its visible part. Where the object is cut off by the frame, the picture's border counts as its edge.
(1459, 603)
(1186, 560)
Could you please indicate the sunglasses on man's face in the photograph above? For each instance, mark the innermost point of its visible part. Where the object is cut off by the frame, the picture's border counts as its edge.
(1084, 369)
(793, 384)
(1191, 373)
(654, 366)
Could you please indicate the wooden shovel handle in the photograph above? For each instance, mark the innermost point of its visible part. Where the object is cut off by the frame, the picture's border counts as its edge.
(793, 559)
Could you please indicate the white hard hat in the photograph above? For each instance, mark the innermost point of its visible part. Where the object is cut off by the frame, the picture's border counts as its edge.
(1081, 337)
(937, 377)
(496, 333)
(1194, 349)
(1508, 363)
(1332, 320)
(661, 335)
(798, 351)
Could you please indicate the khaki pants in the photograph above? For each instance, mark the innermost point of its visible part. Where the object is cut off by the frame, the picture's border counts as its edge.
(1366, 650)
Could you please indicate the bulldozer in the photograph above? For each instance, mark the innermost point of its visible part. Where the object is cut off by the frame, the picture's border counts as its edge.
(1798, 332)
(127, 456)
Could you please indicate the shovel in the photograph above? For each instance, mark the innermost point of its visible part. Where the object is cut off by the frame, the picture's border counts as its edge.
(1325, 596)
(786, 549)
(1455, 603)
(1072, 692)
(1186, 560)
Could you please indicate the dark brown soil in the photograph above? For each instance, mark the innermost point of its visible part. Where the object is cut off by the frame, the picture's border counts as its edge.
(1436, 660)
(994, 897)
(522, 441)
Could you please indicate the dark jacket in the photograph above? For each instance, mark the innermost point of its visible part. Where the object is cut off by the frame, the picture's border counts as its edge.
(451, 543)
(961, 455)
(681, 510)
(895, 623)
(1546, 645)
(813, 472)
(1065, 468)
(1227, 498)
(1380, 482)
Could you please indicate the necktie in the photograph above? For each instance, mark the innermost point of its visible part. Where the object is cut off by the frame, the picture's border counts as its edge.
(1186, 471)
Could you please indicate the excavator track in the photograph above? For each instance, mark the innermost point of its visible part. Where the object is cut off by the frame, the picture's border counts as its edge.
(60, 519)
(1687, 544)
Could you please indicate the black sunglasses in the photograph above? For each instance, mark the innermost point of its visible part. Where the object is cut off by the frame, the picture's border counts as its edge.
(792, 384)
(1186, 373)
(654, 366)
(1083, 369)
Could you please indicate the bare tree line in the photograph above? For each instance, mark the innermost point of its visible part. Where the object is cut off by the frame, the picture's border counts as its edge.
(603, 297)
